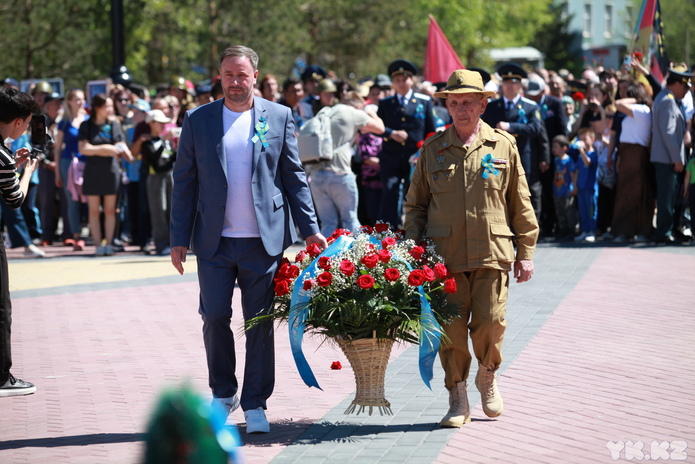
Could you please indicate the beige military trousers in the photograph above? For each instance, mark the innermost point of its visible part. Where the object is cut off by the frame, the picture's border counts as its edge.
(482, 296)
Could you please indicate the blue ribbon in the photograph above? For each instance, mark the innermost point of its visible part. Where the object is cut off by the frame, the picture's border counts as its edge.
(522, 116)
(260, 130)
(420, 111)
(489, 166)
(430, 331)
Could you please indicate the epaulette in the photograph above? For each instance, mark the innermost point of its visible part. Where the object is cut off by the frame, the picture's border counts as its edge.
(506, 135)
(421, 96)
(527, 100)
(432, 138)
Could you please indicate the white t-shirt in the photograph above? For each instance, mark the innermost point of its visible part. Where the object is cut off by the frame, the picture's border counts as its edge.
(240, 216)
(638, 127)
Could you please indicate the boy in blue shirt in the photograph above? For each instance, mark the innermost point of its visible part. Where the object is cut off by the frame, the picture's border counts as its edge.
(563, 191)
(584, 181)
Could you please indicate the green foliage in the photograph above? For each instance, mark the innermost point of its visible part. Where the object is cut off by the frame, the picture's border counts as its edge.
(679, 29)
(556, 41)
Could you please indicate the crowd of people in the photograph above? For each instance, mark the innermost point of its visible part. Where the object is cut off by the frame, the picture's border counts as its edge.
(605, 153)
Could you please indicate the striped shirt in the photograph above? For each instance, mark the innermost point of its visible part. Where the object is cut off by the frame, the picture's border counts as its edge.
(9, 180)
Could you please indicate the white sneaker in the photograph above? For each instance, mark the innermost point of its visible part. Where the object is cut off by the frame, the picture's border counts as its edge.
(33, 251)
(580, 237)
(256, 421)
(590, 238)
(228, 405)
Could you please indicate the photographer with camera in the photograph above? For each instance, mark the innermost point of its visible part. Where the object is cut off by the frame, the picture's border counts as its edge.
(16, 110)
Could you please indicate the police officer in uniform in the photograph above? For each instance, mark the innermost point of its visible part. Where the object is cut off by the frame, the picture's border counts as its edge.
(520, 117)
(408, 117)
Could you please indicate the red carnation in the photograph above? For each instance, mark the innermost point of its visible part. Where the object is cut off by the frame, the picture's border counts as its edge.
(309, 284)
(347, 267)
(417, 252)
(416, 278)
(324, 279)
(365, 281)
(440, 271)
(367, 229)
(450, 286)
(429, 274)
(381, 227)
(335, 365)
(388, 242)
(314, 250)
(638, 55)
(325, 263)
(384, 256)
(392, 274)
(370, 260)
(578, 96)
(282, 287)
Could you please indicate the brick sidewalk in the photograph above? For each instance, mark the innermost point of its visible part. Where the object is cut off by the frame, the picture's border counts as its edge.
(585, 365)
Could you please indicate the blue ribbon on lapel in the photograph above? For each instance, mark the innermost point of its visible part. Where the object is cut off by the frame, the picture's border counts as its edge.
(260, 130)
(430, 330)
(489, 166)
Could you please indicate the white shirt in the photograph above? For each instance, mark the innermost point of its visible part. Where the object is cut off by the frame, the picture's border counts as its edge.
(638, 127)
(240, 215)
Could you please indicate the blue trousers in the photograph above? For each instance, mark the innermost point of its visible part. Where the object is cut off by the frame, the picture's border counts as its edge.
(241, 261)
(586, 203)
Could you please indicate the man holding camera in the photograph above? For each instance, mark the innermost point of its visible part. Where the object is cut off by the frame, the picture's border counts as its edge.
(16, 109)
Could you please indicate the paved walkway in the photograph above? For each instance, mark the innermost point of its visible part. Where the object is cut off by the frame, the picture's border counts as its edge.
(599, 367)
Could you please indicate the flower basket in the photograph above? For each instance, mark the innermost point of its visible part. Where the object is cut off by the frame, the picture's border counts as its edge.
(368, 358)
(365, 291)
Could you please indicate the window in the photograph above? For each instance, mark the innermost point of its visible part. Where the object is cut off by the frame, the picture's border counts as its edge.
(587, 20)
(608, 22)
(629, 21)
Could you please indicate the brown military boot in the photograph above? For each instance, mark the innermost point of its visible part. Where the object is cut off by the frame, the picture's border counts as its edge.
(489, 394)
(459, 411)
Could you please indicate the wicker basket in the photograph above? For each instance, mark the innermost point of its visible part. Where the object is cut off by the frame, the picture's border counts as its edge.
(368, 358)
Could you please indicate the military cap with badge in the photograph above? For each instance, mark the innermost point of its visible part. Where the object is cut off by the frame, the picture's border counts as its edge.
(511, 72)
(403, 67)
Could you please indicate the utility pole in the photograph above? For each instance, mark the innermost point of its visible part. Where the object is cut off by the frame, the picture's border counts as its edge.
(119, 72)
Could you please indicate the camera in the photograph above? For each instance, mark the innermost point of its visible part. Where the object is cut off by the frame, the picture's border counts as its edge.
(41, 140)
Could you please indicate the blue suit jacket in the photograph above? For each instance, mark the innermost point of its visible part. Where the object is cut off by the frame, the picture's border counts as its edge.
(279, 186)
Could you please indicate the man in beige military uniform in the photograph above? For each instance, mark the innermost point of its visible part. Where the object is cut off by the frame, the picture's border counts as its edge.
(469, 195)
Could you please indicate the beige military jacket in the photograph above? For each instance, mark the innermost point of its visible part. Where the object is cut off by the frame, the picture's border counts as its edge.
(473, 213)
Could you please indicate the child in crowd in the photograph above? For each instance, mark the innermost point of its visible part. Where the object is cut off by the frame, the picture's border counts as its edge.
(584, 182)
(563, 192)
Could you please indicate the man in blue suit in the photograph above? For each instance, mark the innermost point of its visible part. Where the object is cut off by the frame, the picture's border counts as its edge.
(408, 117)
(238, 183)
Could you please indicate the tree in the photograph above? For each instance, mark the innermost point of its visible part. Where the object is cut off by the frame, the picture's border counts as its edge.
(562, 47)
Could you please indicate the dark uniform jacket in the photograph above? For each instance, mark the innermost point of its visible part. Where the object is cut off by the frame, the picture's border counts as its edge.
(525, 125)
(416, 118)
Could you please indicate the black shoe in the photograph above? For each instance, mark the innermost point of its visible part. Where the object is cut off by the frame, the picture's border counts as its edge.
(16, 387)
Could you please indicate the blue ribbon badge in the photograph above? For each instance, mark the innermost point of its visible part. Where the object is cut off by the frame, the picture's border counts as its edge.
(489, 166)
(522, 115)
(260, 131)
(420, 111)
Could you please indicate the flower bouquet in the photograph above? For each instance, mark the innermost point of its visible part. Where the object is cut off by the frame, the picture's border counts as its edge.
(365, 291)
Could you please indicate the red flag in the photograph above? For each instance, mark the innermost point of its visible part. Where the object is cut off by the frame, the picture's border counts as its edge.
(440, 59)
(649, 39)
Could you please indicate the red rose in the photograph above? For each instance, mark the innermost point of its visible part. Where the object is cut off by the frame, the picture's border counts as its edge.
(400, 234)
(381, 227)
(365, 281)
(384, 256)
(325, 263)
(370, 260)
(309, 284)
(347, 267)
(450, 286)
(282, 287)
(429, 274)
(578, 96)
(417, 252)
(416, 278)
(335, 365)
(392, 274)
(367, 229)
(440, 271)
(388, 242)
(300, 256)
(287, 271)
(324, 279)
(314, 250)
(338, 232)
(638, 55)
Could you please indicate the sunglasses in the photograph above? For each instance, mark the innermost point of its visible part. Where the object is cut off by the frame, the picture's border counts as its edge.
(124, 100)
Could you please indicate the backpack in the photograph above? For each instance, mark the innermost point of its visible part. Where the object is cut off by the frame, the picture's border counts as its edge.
(315, 142)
